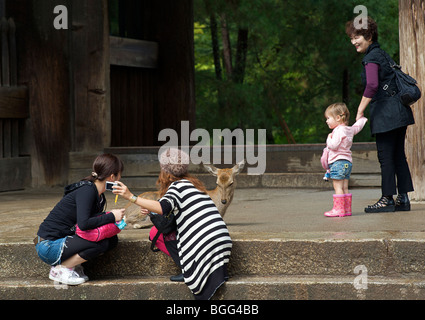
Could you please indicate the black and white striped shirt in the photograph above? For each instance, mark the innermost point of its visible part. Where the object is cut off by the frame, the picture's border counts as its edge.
(203, 241)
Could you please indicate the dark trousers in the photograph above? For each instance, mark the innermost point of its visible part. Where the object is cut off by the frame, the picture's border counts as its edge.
(395, 171)
(87, 249)
(173, 251)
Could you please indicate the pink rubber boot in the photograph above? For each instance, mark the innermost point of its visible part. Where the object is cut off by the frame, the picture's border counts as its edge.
(348, 202)
(339, 206)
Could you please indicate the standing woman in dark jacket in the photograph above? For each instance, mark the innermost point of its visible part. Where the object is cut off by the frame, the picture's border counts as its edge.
(389, 118)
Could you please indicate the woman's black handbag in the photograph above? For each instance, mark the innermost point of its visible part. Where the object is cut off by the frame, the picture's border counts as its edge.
(409, 91)
(406, 85)
(164, 223)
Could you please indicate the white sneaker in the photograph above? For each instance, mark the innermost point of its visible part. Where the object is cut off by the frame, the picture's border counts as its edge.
(54, 273)
(80, 270)
(65, 276)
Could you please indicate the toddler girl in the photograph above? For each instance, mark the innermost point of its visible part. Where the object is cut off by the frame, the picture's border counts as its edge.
(337, 156)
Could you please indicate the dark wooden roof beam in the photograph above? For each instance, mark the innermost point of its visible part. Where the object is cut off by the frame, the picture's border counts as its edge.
(133, 53)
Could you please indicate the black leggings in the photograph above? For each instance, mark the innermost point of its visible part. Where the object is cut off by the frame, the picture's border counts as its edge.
(87, 249)
(395, 171)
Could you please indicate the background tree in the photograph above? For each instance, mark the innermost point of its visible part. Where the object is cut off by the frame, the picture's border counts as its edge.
(278, 64)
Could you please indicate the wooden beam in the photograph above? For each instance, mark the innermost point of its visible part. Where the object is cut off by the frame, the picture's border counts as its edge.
(133, 53)
(14, 102)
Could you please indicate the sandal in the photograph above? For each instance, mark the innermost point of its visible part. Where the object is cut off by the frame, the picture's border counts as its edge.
(385, 204)
(402, 202)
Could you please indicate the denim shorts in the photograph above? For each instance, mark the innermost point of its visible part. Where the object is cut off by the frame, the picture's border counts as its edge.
(341, 169)
(50, 251)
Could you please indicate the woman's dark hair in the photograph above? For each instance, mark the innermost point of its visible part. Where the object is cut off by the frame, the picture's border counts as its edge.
(370, 33)
(105, 165)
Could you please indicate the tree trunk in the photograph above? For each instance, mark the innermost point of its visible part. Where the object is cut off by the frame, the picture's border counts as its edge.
(227, 50)
(241, 50)
(282, 122)
(345, 87)
(412, 48)
(215, 46)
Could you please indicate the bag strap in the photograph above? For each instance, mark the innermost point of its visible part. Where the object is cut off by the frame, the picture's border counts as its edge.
(393, 66)
(154, 242)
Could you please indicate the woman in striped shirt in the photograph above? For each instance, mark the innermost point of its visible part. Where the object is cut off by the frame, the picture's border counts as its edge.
(201, 245)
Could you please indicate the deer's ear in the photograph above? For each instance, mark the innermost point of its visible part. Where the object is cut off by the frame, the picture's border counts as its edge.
(211, 169)
(238, 167)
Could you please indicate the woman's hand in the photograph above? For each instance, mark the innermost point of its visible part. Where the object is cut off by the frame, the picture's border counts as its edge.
(150, 205)
(119, 214)
(122, 190)
(362, 107)
(359, 115)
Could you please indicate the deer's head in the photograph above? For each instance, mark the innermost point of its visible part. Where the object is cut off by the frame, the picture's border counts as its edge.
(225, 179)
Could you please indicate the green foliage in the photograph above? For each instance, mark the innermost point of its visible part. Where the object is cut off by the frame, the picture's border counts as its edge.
(296, 58)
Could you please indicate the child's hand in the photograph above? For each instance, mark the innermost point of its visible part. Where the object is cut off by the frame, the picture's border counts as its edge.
(144, 211)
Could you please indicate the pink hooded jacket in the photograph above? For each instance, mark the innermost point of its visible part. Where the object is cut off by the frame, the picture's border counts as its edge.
(339, 142)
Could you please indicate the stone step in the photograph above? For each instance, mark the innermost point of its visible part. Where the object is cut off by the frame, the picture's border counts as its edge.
(237, 288)
(267, 180)
(286, 166)
(380, 257)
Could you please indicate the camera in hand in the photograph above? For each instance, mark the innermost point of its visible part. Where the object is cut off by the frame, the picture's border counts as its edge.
(109, 185)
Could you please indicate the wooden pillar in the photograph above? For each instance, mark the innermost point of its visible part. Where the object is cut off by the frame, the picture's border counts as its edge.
(89, 56)
(67, 74)
(43, 67)
(412, 60)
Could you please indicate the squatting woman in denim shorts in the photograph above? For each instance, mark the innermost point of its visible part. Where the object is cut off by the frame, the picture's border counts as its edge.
(83, 204)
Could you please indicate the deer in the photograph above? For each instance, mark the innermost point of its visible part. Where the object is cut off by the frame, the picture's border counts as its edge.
(222, 195)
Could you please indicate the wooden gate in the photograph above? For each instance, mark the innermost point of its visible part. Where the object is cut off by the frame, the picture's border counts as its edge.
(15, 164)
